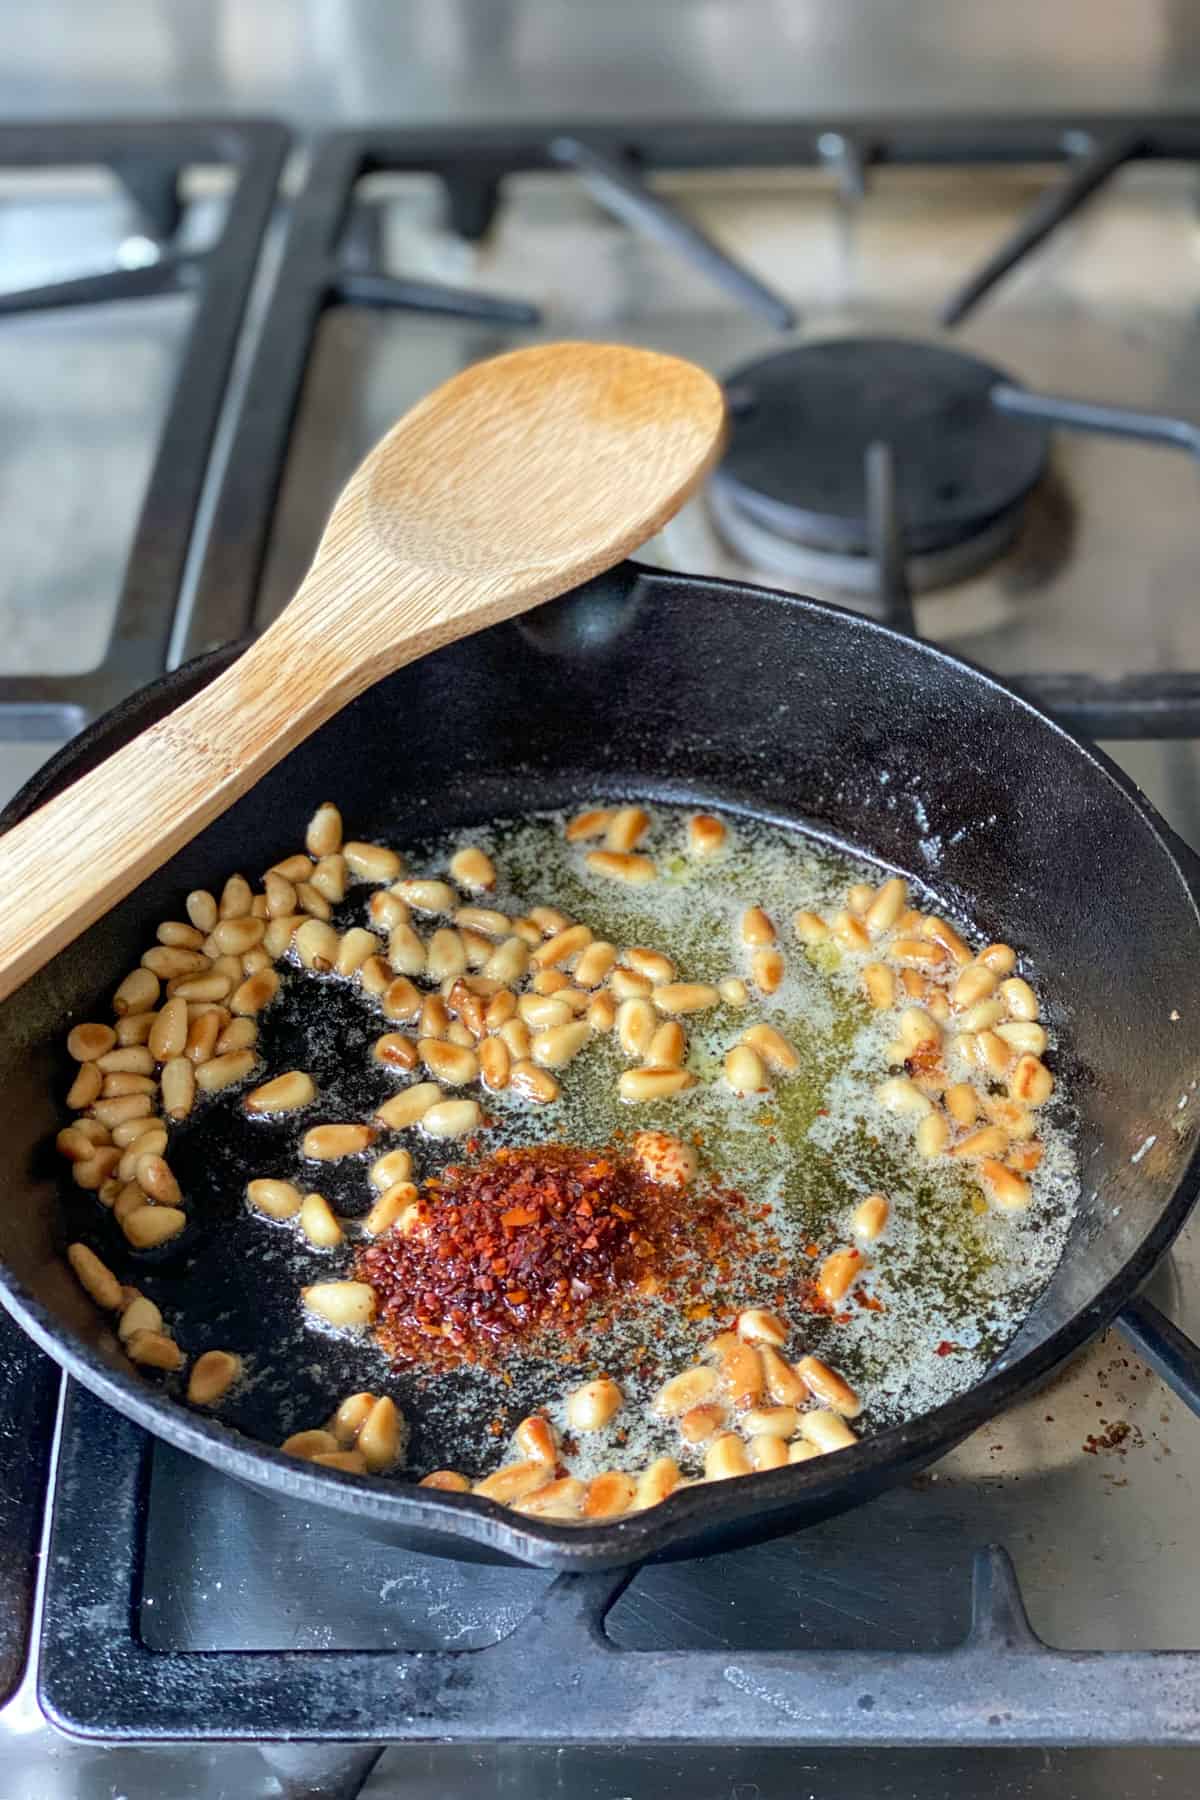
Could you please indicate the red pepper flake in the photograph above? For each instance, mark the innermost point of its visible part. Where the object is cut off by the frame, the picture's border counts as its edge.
(946, 1348)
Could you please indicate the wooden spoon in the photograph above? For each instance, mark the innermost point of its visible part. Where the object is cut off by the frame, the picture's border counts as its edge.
(506, 486)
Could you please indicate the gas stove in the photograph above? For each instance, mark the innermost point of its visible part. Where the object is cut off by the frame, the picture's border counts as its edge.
(942, 345)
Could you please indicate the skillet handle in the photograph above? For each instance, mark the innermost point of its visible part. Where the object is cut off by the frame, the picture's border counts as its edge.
(1169, 1351)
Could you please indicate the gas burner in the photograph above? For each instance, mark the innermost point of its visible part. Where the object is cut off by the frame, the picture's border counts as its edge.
(790, 495)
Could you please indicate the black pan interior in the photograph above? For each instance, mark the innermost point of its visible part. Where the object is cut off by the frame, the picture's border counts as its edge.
(644, 684)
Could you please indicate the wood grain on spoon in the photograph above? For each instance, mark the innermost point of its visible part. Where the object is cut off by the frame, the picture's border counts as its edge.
(507, 486)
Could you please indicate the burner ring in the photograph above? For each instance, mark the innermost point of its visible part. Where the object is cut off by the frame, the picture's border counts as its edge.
(802, 419)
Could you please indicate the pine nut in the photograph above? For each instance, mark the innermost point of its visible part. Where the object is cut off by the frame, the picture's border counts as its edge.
(1025, 1158)
(222, 1071)
(992, 1140)
(396, 1051)
(514, 1033)
(139, 1314)
(178, 1087)
(233, 937)
(556, 1047)
(473, 868)
(340, 1303)
(148, 1226)
(559, 1499)
(773, 1047)
(933, 1134)
(329, 879)
(540, 1011)
(212, 1376)
(1017, 1120)
(741, 1372)
(838, 1274)
(900, 1095)
(962, 1103)
(129, 1059)
(684, 997)
(135, 1028)
(312, 902)
(85, 1088)
(87, 1043)
(733, 991)
(278, 936)
(601, 1015)
(977, 982)
(575, 999)
(94, 1277)
(870, 1217)
(527, 931)
(434, 1019)
(982, 1016)
(705, 834)
(449, 1481)
(508, 961)
(827, 1386)
(154, 1177)
(590, 824)
(281, 895)
(354, 949)
(767, 970)
(641, 1085)
(351, 1462)
(371, 862)
(387, 1211)
(745, 1072)
(309, 1444)
(880, 985)
(887, 905)
(324, 833)
(756, 927)
(201, 909)
(535, 1439)
(317, 945)
(608, 1495)
(499, 1010)
(236, 898)
(137, 993)
(204, 989)
(350, 1418)
(430, 897)
(486, 922)
(668, 1046)
(652, 964)
(761, 1327)
(1020, 999)
(826, 1431)
(329, 1143)
(381, 1436)
(770, 1421)
(595, 963)
(726, 1457)
(627, 984)
(636, 1025)
(1024, 1036)
(768, 1452)
(626, 828)
(495, 1064)
(619, 866)
(516, 1481)
(561, 947)
(683, 1391)
(154, 1350)
(943, 933)
(92, 1172)
(809, 927)
(294, 868)
(168, 1033)
(799, 1451)
(202, 1037)
(278, 1199)
(375, 976)
(284, 1093)
(594, 1405)
(318, 1223)
(1031, 1084)
(75, 1144)
(448, 1062)
(702, 1422)
(450, 1118)
(548, 982)
(917, 1028)
(115, 1087)
(125, 1106)
(993, 1054)
(445, 955)
(657, 1482)
(387, 910)
(1000, 958)
(850, 931)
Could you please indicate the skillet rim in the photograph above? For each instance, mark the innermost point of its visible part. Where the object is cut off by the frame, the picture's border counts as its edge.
(695, 1510)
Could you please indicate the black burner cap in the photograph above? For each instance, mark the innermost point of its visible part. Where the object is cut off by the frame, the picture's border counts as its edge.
(801, 422)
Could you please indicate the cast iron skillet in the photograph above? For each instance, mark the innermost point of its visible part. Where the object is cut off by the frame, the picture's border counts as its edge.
(646, 684)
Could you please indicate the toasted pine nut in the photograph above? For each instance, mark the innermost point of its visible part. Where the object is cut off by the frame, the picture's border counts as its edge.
(837, 1275)
(1017, 1120)
(485, 922)
(561, 947)
(387, 910)
(535, 1438)
(329, 1143)
(962, 1103)
(309, 1444)
(594, 1405)
(294, 868)
(396, 1051)
(726, 1457)
(352, 1462)
(809, 927)
(236, 898)
(85, 1088)
(406, 952)
(702, 1422)
(76, 1145)
(396, 1166)
(640, 1085)
(595, 964)
(94, 1277)
(943, 933)
(1008, 1189)
(127, 1201)
(768, 1452)
(508, 961)
(388, 1210)
(800, 1451)
(870, 1217)
(590, 824)
(733, 991)
(992, 1053)
(473, 868)
(626, 828)
(499, 1010)
(328, 879)
(826, 1385)
(201, 909)
(137, 993)
(770, 1421)
(559, 1499)
(548, 982)
(448, 1480)
(705, 834)
(154, 1349)
(451, 1118)
(773, 1047)
(139, 1314)
(168, 1033)
(233, 937)
(991, 1140)
(495, 1063)
(428, 896)
(350, 1418)
(515, 1034)
(652, 965)
(114, 1086)
(655, 1484)
(278, 1199)
(859, 896)
(375, 976)
(353, 950)
(917, 1028)
(318, 1223)
(1025, 1158)
(135, 1028)
(683, 1391)
(1022, 1035)
(850, 932)
(324, 833)
(92, 1172)
(203, 989)
(1000, 958)
(914, 952)
(278, 936)
(887, 905)
(767, 970)
(515, 1481)
(148, 1226)
(756, 927)
(608, 1495)
(627, 984)
(933, 1134)
(202, 1036)
(445, 955)
(527, 931)
(982, 1016)
(1020, 998)
(371, 862)
(317, 945)
(154, 1177)
(636, 1025)
(560, 1044)
(880, 984)
(1031, 1083)
(401, 1000)
(619, 866)
(601, 1015)
(87, 1043)
(668, 1046)
(826, 1431)
(125, 1106)
(223, 1071)
(434, 1018)
(758, 1326)
(977, 982)
(178, 1087)
(684, 997)
(540, 1011)
(449, 1063)
(340, 1302)
(741, 1371)
(281, 895)
(212, 1376)
(900, 1095)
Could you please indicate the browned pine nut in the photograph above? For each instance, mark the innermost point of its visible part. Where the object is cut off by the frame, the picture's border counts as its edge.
(328, 1143)
(773, 1047)
(278, 1199)
(626, 828)
(308, 1445)
(340, 1302)
(601, 1015)
(178, 1087)
(451, 1118)
(94, 1277)
(154, 1177)
(595, 963)
(1031, 1082)
(991, 1140)
(428, 896)
(590, 824)
(138, 1314)
(212, 1376)
(690, 1388)
(618, 866)
(495, 1063)
(636, 1024)
(826, 1431)
(668, 1046)
(396, 1051)
(283, 1093)
(328, 880)
(135, 1028)
(236, 898)
(684, 997)
(559, 1499)
(1020, 999)
(372, 862)
(153, 1349)
(641, 1085)
(608, 1495)
(594, 1405)
(233, 937)
(809, 927)
(125, 1106)
(92, 1172)
(324, 833)
(827, 1386)
(767, 971)
(837, 1275)
(943, 933)
(87, 1043)
(512, 1483)
(870, 1217)
(726, 1457)
(317, 945)
(445, 955)
(473, 868)
(656, 1483)
(448, 1480)
(202, 1037)
(448, 1062)
(222, 1071)
(756, 927)
(168, 1034)
(770, 1421)
(148, 1226)
(390, 1208)
(85, 1088)
(560, 1044)
(761, 1327)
